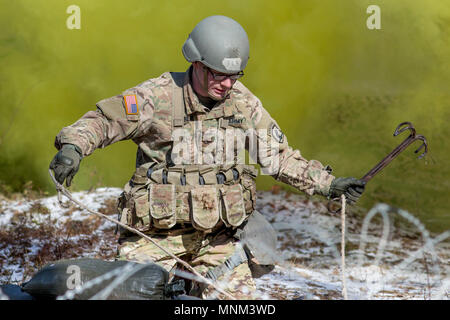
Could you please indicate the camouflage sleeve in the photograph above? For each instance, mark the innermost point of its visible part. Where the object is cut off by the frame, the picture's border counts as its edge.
(111, 122)
(281, 161)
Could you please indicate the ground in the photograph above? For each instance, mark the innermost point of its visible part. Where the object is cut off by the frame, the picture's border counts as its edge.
(395, 258)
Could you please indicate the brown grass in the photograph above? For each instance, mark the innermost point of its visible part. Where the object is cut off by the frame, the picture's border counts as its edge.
(73, 239)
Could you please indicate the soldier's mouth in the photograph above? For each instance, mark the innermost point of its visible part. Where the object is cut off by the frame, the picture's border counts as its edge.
(219, 92)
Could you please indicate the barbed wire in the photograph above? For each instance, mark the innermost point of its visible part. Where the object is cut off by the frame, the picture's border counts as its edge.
(103, 294)
(71, 294)
(383, 209)
(429, 243)
(383, 243)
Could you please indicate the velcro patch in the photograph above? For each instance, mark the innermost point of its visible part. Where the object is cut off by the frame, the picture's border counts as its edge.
(131, 105)
(232, 64)
(236, 121)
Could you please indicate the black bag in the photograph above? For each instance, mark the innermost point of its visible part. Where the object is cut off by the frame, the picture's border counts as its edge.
(148, 282)
(15, 292)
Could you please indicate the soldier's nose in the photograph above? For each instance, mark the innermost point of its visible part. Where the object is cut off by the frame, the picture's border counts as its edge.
(227, 83)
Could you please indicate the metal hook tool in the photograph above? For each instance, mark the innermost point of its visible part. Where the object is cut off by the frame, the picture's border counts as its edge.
(391, 156)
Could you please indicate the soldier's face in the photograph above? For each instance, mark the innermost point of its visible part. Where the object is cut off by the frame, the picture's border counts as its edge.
(208, 82)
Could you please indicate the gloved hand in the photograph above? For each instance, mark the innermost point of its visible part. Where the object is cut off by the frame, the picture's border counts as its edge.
(66, 163)
(352, 188)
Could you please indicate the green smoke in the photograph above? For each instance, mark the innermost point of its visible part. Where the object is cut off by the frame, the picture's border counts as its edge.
(337, 89)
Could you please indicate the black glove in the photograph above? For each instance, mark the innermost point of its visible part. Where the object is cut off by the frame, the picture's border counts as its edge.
(352, 188)
(66, 163)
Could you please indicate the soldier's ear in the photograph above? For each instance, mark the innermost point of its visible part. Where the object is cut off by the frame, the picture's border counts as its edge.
(198, 71)
(198, 66)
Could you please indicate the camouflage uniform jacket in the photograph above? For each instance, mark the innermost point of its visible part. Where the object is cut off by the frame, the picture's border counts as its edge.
(151, 128)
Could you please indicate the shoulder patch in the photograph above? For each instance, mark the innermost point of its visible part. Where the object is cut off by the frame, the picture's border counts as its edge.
(277, 134)
(131, 105)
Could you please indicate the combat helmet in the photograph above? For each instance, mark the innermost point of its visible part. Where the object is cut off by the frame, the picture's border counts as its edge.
(220, 43)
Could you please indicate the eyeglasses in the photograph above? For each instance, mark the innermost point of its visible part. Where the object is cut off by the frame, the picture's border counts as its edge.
(221, 76)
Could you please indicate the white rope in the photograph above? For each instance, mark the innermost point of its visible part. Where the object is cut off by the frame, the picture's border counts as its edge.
(66, 193)
(344, 286)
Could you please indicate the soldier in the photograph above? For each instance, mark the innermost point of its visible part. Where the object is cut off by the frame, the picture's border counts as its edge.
(198, 204)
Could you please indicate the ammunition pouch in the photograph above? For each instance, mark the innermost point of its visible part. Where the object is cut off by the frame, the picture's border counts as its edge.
(204, 197)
